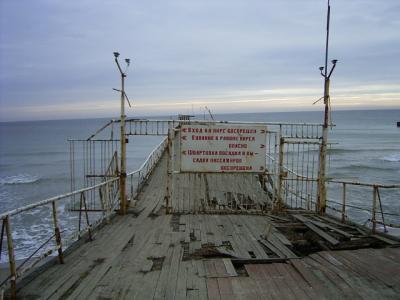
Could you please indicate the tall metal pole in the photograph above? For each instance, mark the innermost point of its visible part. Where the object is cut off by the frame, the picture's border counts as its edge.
(122, 175)
(321, 195)
(122, 179)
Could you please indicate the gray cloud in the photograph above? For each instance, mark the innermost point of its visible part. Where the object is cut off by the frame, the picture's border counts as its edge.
(57, 53)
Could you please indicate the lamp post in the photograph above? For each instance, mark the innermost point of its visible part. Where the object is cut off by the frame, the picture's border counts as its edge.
(321, 195)
(122, 174)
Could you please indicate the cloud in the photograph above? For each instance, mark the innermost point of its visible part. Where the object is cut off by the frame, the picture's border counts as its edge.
(57, 53)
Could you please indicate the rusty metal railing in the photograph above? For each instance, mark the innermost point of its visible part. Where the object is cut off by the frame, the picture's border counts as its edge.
(137, 178)
(367, 200)
(63, 237)
(58, 240)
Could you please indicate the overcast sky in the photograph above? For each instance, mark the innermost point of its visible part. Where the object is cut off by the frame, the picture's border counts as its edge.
(56, 57)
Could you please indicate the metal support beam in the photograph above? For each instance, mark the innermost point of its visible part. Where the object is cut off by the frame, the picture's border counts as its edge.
(11, 259)
(122, 175)
(321, 197)
(57, 233)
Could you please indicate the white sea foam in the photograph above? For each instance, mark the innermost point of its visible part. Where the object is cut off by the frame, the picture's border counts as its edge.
(19, 179)
(392, 157)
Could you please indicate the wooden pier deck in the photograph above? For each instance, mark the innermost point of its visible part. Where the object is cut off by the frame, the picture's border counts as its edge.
(152, 255)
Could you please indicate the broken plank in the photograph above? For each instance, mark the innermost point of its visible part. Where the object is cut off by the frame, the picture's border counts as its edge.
(318, 231)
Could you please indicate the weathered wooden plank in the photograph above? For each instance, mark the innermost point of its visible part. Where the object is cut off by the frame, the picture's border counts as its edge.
(318, 231)
(173, 273)
(312, 280)
(245, 288)
(385, 239)
(333, 228)
(163, 280)
(213, 289)
(225, 288)
(337, 280)
(230, 269)
(329, 286)
(181, 282)
(280, 282)
(358, 287)
(264, 285)
(290, 282)
(200, 279)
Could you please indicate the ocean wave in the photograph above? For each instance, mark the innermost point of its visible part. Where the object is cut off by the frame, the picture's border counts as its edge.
(33, 153)
(19, 179)
(392, 158)
(359, 167)
(346, 151)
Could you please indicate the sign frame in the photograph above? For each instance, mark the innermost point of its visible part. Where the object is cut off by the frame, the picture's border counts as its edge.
(228, 148)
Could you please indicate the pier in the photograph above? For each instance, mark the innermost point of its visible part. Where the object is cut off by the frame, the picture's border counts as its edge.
(256, 232)
(148, 254)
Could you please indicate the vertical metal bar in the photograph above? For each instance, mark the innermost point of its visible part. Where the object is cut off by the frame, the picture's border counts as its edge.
(122, 175)
(276, 168)
(169, 170)
(281, 174)
(57, 233)
(373, 212)
(11, 258)
(2, 237)
(87, 216)
(344, 203)
(380, 205)
(80, 215)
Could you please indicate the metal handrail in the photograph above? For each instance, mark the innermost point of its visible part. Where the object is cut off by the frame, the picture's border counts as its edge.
(159, 146)
(145, 168)
(386, 186)
(376, 200)
(53, 199)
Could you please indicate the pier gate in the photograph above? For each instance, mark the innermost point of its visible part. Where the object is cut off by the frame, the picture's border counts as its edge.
(252, 167)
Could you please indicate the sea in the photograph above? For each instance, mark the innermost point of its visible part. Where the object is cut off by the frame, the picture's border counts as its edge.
(35, 165)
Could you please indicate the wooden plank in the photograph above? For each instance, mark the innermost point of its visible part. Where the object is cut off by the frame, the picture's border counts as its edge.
(163, 278)
(356, 284)
(230, 269)
(318, 231)
(274, 249)
(385, 239)
(200, 279)
(213, 289)
(245, 288)
(225, 288)
(368, 287)
(264, 285)
(173, 273)
(220, 268)
(302, 283)
(337, 280)
(192, 291)
(290, 282)
(314, 282)
(324, 225)
(283, 290)
(329, 286)
(209, 267)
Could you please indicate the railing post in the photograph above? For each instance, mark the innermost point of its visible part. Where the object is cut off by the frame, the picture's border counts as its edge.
(344, 203)
(373, 213)
(11, 258)
(169, 170)
(309, 204)
(108, 203)
(281, 175)
(57, 233)
(87, 218)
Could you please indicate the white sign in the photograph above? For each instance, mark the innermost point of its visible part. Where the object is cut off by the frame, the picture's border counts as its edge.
(223, 148)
